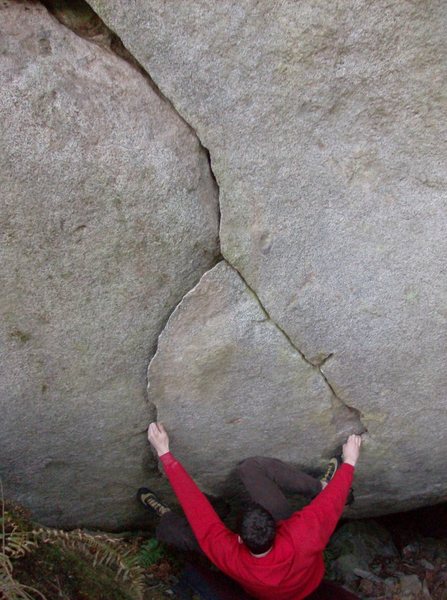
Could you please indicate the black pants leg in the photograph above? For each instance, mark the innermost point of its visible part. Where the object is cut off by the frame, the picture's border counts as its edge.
(209, 585)
(264, 477)
(175, 530)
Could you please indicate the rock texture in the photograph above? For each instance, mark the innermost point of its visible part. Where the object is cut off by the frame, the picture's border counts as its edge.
(327, 132)
(108, 216)
(229, 384)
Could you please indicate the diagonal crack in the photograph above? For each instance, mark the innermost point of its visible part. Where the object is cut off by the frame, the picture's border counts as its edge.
(80, 18)
(90, 26)
(346, 418)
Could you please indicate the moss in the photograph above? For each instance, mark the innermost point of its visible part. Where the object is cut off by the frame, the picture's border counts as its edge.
(22, 336)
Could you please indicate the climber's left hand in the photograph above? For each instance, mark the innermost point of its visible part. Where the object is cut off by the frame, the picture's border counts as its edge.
(158, 437)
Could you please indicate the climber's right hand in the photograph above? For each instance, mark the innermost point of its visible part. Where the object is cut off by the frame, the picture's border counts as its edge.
(158, 437)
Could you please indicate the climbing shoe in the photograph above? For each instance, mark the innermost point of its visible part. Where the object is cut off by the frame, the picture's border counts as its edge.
(152, 502)
(333, 466)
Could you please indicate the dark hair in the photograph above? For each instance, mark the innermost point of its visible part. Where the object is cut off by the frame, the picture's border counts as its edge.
(257, 529)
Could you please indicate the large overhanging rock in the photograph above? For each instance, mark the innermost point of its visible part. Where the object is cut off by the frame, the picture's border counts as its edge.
(326, 127)
(229, 384)
(108, 216)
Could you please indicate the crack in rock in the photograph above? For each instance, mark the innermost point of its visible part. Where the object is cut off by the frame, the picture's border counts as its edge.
(98, 32)
(345, 417)
(80, 18)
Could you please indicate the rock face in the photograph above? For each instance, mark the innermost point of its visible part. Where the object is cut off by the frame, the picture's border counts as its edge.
(108, 217)
(325, 123)
(230, 384)
(327, 132)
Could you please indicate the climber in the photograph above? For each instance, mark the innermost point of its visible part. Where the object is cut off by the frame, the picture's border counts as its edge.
(278, 553)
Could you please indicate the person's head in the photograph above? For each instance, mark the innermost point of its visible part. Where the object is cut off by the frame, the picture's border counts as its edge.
(257, 529)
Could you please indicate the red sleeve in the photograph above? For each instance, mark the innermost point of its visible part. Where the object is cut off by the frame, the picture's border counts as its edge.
(218, 542)
(314, 524)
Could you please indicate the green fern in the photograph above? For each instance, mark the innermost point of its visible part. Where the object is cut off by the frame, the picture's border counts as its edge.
(150, 553)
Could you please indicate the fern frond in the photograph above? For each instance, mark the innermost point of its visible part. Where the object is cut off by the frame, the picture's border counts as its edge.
(14, 543)
(104, 550)
(101, 549)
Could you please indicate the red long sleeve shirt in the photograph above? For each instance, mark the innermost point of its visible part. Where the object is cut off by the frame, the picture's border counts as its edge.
(294, 566)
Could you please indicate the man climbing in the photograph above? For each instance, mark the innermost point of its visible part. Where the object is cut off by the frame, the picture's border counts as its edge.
(278, 553)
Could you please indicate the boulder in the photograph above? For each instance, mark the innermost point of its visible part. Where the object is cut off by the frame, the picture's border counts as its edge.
(410, 587)
(355, 545)
(326, 128)
(108, 216)
(229, 384)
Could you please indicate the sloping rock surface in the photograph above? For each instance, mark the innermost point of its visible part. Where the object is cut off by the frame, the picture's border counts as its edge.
(108, 216)
(229, 384)
(327, 132)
